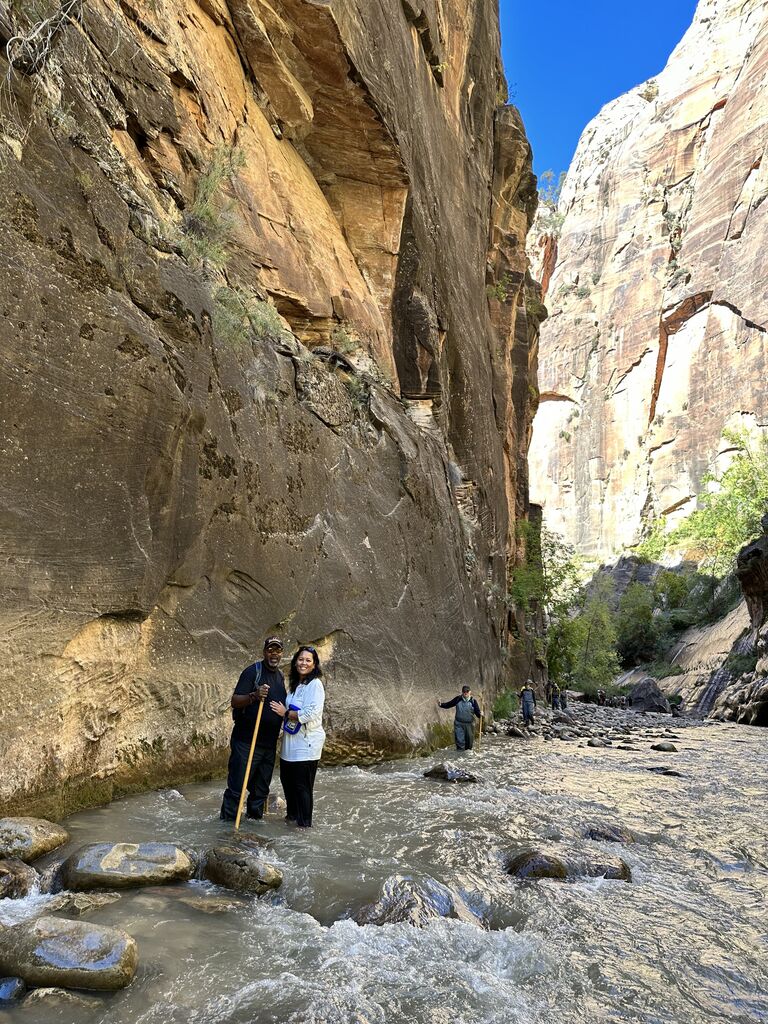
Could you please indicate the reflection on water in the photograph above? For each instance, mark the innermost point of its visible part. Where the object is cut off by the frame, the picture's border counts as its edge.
(682, 944)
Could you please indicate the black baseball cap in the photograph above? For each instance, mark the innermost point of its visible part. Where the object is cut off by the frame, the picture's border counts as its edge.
(273, 641)
(466, 689)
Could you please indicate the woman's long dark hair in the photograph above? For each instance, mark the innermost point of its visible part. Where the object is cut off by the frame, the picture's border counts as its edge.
(293, 676)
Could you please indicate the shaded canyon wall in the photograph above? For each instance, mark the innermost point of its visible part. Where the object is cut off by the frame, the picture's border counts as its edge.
(250, 377)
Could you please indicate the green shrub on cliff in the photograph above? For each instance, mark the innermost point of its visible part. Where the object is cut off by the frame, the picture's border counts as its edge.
(207, 221)
(728, 513)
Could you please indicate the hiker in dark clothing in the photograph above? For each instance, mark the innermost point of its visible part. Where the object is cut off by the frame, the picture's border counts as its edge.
(555, 696)
(527, 702)
(260, 682)
(467, 709)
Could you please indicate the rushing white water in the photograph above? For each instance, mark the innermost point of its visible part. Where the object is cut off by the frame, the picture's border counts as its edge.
(684, 943)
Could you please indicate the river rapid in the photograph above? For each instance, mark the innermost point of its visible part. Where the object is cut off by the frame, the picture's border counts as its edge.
(683, 943)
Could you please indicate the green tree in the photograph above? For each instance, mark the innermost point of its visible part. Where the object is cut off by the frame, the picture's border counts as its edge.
(584, 645)
(550, 219)
(641, 634)
(548, 577)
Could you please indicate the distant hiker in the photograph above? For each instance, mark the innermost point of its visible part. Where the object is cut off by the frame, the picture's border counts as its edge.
(261, 681)
(467, 709)
(601, 697)
(555, 696)
(563, 699)
(527, 702)
(303, 735)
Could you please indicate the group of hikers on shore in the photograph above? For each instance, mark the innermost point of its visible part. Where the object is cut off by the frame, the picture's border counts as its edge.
(265, 705)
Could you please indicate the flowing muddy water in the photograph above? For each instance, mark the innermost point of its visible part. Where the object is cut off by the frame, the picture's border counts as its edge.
(684, 943)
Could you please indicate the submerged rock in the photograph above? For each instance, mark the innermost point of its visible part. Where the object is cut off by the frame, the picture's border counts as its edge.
(56, 999)
(16, 878)
(450, 773)
(665, 746)
(533, 864)
(406, 900)
(275, 804)
(241, 870)
(609, 833)
(122, 865)
(71, 954)
(11, 990)
(78, 904)
(29, 838)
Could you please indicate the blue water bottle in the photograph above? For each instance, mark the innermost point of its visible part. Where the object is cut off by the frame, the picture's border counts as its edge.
(291, 727)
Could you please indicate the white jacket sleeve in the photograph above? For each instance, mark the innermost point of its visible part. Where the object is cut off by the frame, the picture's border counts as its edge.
(311, 713)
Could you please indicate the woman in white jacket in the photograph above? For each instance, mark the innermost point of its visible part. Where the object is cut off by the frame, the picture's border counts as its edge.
(303, 734)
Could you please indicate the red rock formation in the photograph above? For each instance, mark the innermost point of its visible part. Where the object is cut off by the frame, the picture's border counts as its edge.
(233, 234)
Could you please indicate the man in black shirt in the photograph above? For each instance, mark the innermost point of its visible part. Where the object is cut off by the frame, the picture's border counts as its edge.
(260, 682)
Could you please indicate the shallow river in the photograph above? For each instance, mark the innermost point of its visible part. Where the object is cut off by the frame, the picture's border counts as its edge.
(684, 943)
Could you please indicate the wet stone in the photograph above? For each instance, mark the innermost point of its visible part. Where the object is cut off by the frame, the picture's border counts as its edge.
(29, 838)
(535, 864)
(55, 999)
(450, 773)
(123, 865)
(666, 747)
(78, 904)
(415, 902)
(11, 990)
(69, 954)
(241, 870)
(609, 832)
(16, 878)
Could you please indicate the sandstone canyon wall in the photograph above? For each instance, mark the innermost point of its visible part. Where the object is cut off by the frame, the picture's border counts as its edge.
(658, 294)
(250, 378)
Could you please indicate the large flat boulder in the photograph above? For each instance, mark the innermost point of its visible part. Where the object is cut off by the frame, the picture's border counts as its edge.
(415, 902)
(241, 870)
(30, 838)
(646, 696)
(123, 865)
(69, 954)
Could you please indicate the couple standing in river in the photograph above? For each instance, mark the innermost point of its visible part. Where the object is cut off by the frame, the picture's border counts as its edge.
(296, 710)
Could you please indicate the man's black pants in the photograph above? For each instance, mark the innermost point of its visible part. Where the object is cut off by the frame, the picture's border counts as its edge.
(262, 766)
(298, 781)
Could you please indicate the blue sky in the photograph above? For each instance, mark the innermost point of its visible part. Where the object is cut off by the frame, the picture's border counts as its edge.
(564, 60)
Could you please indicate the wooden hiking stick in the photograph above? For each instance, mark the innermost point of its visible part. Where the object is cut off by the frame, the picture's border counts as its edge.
(248, 766)
(480, 730)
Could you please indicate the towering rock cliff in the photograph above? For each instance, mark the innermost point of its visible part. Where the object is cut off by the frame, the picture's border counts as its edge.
(249, 377)
(659, 289)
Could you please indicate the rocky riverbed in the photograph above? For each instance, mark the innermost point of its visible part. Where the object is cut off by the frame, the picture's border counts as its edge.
(566, 883)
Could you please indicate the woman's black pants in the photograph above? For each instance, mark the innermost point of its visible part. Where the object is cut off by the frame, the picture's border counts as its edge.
(298, 781)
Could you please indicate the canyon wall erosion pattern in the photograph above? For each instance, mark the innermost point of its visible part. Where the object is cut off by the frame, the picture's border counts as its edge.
(249, 377)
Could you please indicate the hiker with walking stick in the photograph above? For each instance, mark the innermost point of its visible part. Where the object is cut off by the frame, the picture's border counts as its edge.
(254, 734)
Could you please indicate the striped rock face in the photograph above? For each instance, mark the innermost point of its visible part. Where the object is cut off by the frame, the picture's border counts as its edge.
(657, 290)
